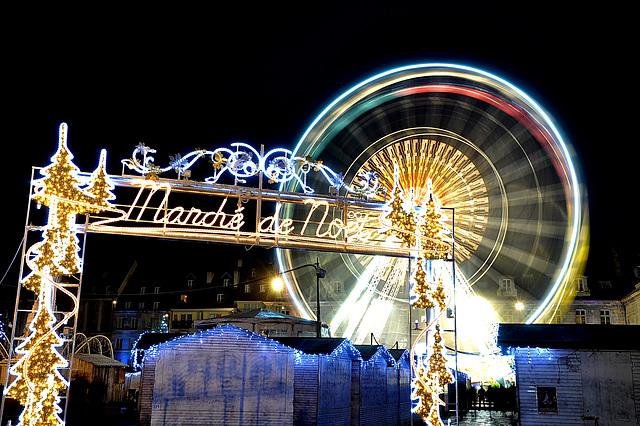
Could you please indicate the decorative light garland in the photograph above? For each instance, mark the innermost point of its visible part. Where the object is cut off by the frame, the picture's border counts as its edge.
(38, 381)
(430, 380)
(278, 165)
(422, 228)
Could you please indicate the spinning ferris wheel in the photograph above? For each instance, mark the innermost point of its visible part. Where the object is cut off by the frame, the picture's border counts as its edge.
(501, 171)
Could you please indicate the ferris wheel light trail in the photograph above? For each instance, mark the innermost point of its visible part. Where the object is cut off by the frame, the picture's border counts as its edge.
(524, 110)
(347, 309)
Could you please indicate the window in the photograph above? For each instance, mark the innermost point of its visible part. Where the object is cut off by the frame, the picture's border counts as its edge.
(581, 316)
(118, 344)
(141, 305)
(250, 306)
(189, 283)
(506, 287)
(156, 290)
(127, 305)
(219, 297)
(118, 322)
(605, 316)
(527, 279)
(247, 288)
(581, 285)
(183, 298)
(605, 284)
(156, 305)
(261, 288)
(225, 282)
(253, 273)
(133, 324)
(107, 290)
(143, 290)
(338, 287)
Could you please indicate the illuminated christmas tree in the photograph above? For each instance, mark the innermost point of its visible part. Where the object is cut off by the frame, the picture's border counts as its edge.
(423, 393)
(39, 382)
(100, 186)
(430, 381)
(400, 216)
(403, 223)
(61, 185)
(432, 231)
(60, 190)
(437, 362)
(439, 295)
(420, 287)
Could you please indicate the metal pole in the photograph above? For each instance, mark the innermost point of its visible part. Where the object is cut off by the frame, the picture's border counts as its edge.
(18, 291)
(455, 309)
(409, 343)
(75, 325)
(319, 326)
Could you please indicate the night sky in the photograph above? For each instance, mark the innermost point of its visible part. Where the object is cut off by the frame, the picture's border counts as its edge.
(177, 78)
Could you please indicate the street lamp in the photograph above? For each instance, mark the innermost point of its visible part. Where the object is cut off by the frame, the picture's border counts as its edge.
(277, 284)
(320, 273)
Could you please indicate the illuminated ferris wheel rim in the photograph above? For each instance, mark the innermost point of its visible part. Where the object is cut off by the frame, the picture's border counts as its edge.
(521, 106)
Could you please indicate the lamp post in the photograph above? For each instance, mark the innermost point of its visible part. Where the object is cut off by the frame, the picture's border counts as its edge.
(320, 273)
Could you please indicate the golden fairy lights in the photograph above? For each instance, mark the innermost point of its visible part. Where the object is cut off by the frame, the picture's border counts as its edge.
(424, 233)
(38, 383)
(429, 381)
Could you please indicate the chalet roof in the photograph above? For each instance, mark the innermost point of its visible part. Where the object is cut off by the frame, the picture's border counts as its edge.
(315, 346)
(368, 351)
(213, 333)
(149, 339)
(100, 360)
(398, 354)
(569, 336)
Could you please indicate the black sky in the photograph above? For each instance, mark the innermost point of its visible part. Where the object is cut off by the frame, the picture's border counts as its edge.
(178, 78)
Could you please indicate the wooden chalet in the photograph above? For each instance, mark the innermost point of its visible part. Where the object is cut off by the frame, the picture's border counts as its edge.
(575, 374)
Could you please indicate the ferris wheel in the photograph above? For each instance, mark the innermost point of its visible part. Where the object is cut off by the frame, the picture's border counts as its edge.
(502, 173)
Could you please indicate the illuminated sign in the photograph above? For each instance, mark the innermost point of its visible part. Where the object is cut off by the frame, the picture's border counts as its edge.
(339, 221)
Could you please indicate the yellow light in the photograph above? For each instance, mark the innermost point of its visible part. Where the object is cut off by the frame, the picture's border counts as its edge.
(519, 306)
(277, 284)
(39, 383)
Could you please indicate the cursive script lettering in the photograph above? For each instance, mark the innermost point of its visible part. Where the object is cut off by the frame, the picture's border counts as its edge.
(151, 204)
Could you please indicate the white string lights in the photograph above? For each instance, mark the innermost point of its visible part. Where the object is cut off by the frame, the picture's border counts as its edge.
(279, 165)
(38, 382)
(422, 229)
